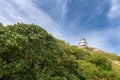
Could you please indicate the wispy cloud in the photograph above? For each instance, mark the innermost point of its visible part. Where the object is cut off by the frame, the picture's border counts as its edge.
(64, 10)
(115, 9)
(107, 39)
(26, 11)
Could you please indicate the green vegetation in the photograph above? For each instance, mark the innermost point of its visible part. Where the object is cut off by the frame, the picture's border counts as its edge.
(28, 52)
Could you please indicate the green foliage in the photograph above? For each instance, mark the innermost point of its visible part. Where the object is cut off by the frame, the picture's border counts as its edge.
(100, 61)
(1, 25)
(28, 52)
(88, 70)
(112, 56)
(28, 47)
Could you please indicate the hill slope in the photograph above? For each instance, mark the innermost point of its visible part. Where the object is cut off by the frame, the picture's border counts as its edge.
(28, 52)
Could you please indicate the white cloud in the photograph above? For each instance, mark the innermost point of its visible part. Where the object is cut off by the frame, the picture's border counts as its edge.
(103, 39)
(64, 9)
(115, 9)
(26, 11)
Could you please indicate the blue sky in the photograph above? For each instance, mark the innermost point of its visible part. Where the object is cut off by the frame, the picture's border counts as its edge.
(96, 20)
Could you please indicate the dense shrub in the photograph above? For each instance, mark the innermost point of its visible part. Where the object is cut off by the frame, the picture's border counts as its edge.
(28, 52)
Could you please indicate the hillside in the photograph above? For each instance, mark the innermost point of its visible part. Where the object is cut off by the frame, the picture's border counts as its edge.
(28, 52)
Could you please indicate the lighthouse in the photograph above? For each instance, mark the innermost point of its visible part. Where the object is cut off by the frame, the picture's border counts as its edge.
(83, 42)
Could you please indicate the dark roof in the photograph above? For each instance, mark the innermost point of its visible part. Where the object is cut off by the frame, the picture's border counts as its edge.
(82, 39)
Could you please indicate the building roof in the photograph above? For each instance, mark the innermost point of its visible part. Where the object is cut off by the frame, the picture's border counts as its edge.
(83, 39)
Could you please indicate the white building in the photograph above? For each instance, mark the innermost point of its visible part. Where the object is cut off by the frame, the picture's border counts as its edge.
(82, 42)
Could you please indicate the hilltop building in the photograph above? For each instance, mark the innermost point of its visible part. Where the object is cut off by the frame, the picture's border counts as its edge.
(82, 43)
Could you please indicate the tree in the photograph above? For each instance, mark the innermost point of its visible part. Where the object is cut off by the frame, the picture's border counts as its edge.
(30, 49)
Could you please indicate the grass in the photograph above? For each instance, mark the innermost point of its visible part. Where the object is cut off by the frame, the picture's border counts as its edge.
(116, 68)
